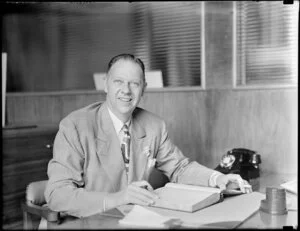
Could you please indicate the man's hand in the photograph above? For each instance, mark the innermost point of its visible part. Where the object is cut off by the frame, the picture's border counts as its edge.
(233, 181)
(139, 192)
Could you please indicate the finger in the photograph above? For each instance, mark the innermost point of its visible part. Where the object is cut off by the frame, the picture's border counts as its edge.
(143, 184)
(232, 185)
(148, 186)
(248, 190)
(238, 179)
(222, 186)
(138, 198)
(139, 201)
(247, 186)
(149, 194)
(241, 184)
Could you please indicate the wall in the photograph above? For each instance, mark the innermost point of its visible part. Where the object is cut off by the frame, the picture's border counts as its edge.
(203, 123)
(264, 120)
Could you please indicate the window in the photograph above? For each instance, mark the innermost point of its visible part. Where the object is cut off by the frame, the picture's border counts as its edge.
(167, 36)
(59, 46)
(267, 42)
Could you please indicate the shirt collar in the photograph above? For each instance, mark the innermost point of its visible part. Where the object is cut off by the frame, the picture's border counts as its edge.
(118, 124)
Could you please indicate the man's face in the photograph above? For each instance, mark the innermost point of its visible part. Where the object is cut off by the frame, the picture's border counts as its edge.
(124, 86)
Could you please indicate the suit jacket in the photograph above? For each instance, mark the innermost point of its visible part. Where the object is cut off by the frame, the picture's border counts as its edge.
(87, 162)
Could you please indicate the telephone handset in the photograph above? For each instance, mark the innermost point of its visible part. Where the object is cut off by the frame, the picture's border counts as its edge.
(240, 161)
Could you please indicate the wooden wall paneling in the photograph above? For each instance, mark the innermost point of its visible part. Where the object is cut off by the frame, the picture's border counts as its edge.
(221, 120)
(185, 122)
(222, 127)
(75, 102)
(203, 155)
(262, 120)
(153, 101)
(33, 109)
(43, 108)
(46, 109)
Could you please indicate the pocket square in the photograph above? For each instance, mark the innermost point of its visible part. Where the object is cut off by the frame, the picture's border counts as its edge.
(150, 162)
(146, 151)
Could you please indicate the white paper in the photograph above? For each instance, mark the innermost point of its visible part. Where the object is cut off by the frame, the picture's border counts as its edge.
(99, 80)
(142, 217)
(291, 186)
(227, 214)
(291, 202)
(154, 79)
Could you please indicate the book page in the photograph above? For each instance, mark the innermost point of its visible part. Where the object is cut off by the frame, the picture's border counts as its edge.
(193, 187)
(189, 199)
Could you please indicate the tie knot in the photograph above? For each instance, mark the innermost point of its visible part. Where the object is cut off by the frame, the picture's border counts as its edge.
(125, 129)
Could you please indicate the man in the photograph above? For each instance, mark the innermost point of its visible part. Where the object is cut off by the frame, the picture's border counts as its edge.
(91, 172)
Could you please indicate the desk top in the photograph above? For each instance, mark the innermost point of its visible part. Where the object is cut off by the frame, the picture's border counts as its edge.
(259, 219)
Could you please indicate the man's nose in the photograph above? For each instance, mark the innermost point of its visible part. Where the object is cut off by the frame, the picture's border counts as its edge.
(126, 88)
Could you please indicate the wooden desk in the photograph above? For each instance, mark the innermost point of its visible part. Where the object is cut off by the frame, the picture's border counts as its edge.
(257, 220)
(261, 220)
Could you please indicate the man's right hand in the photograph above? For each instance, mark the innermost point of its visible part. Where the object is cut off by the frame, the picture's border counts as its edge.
(139, 192)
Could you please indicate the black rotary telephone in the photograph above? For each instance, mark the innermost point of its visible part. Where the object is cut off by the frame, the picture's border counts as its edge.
(240, 161)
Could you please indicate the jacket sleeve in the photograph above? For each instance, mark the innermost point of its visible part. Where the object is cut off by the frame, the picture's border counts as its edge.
(176, 166)
(65, 190)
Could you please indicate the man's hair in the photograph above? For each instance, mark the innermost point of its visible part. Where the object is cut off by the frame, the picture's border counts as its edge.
(127, 57)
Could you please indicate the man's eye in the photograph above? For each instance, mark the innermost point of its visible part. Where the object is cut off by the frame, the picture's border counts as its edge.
(134, 84)
(118, 81)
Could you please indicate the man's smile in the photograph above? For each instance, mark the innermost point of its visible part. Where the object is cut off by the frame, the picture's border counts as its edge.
(125, 99)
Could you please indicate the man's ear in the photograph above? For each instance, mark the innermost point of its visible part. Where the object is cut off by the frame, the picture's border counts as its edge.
(105, 81)
(144, 87)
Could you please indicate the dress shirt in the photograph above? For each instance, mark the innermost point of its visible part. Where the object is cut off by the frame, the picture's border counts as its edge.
(118, 124)
(213, 178)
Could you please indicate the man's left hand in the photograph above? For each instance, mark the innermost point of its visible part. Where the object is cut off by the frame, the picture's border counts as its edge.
(233, 181)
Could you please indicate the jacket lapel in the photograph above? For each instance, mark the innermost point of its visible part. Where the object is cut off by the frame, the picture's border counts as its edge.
(108, 150)
(138, 159)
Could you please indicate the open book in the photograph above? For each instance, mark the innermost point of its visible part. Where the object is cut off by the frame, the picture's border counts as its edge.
(189, 198)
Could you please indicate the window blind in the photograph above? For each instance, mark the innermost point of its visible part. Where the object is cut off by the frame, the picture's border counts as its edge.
(66, 43)
(267, 36)
(167, 36)
(91, 33)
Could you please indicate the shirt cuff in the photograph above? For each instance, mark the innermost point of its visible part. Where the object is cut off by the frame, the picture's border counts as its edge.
(213, 178)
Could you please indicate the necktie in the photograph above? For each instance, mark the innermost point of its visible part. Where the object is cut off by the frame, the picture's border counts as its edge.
(125, 146)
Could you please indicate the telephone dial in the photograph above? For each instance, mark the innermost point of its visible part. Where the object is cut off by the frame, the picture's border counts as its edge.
(240, 161)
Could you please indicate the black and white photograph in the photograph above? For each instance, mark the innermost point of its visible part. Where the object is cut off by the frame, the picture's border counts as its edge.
(150, 115)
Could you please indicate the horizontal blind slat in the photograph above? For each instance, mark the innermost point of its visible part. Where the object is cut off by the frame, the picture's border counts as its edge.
(173, 35)
(267, 35)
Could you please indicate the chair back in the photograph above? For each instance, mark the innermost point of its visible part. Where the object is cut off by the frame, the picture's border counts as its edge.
(35, 206)
(35, 192)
